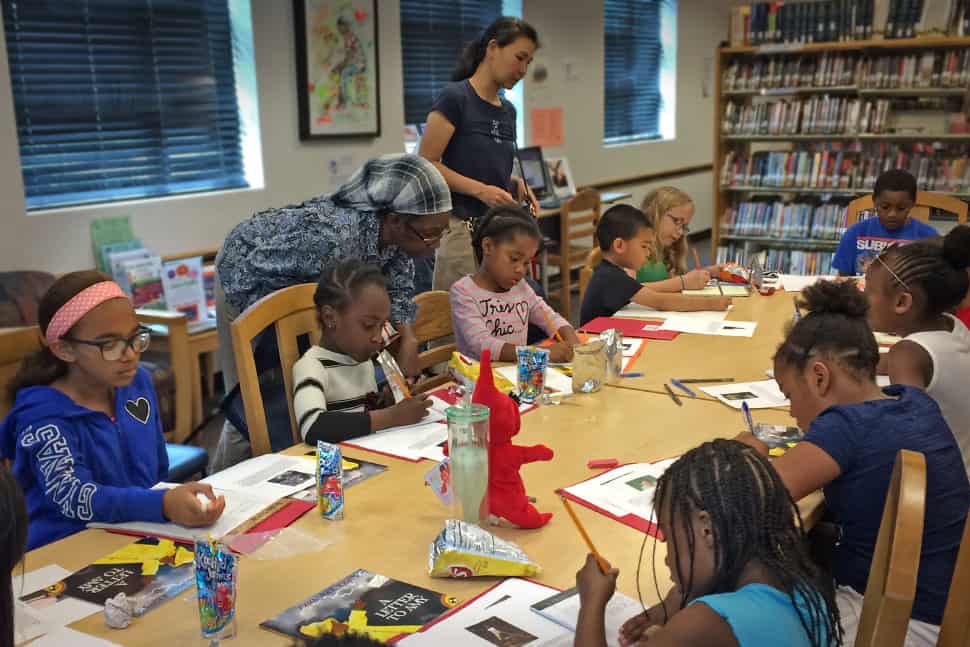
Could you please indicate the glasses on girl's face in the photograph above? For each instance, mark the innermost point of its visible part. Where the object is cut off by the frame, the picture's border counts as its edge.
(427, 240)
(678, 223)
(113, 350)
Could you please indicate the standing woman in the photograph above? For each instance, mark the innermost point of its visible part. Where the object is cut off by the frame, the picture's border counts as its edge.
(393, 209)
(470, 137)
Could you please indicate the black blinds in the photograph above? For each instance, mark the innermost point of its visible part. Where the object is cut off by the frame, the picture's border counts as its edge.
(123, 99)
(433, 33)
(633, 56)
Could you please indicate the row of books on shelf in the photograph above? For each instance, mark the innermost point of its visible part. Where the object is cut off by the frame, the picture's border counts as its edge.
(816, 115)
(832, 166)
(785, 220)
(787, 261)
(766, 23)
(943, 68)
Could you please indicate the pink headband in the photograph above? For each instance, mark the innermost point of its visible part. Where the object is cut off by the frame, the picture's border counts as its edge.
(80, 304)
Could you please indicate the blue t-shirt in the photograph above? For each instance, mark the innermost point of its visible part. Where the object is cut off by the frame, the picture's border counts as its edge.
(482, 146)
(749, 609)
(77, 465)
(864, 240)
(863, 439)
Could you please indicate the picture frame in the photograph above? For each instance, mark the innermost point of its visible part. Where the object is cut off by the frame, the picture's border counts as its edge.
(560, 177)
(337, 68)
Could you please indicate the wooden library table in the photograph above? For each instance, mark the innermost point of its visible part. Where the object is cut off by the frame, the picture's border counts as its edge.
(392, 518)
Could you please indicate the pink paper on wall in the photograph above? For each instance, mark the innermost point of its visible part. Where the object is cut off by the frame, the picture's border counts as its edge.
(546, 128)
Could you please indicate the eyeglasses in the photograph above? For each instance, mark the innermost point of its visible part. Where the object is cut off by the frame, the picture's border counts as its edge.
(427, 240)
(113, 350)
(679, 224)
(890, 270)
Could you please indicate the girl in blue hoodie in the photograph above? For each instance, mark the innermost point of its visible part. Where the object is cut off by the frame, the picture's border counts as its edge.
(84, 433)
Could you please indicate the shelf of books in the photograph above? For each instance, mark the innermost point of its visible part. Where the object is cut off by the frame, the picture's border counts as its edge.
(814, 100)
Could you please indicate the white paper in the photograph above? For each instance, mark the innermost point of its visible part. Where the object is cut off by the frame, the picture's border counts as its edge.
(635, 311)
(506, 604)
(270, 476)
(798, 282)
(623, 490)
(619, 609)
(700, 327)
(67, 636)
(883, 381)
(411, 442)
(241, 506)
(436, 413)
(759, 395)
(557, 382)
(44, 616)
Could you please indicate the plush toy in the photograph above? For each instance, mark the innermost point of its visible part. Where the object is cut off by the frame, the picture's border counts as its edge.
(506, 492)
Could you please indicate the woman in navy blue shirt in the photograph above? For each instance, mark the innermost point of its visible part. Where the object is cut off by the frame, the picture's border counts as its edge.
(470, 137)
(827, 368)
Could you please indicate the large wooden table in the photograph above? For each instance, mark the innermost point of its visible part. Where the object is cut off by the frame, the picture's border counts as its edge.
(392, 518)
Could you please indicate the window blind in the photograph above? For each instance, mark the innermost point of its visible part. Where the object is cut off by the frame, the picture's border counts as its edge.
(633, 54)
(433, 34)
(123, 99)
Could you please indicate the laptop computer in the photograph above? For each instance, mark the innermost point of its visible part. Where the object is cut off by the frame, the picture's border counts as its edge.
(536, 174)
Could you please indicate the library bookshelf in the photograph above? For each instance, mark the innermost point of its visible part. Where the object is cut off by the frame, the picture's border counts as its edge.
(801, 129)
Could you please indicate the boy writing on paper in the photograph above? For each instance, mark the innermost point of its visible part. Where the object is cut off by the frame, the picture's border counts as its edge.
(625, 237)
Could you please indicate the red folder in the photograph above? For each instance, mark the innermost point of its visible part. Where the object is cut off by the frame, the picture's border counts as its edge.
(630, 328)
(632, 520)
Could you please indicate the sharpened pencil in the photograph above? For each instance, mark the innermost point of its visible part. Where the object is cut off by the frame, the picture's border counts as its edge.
(604, 565)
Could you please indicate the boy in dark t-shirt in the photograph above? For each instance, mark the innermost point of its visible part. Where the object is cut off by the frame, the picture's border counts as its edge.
(625, 237)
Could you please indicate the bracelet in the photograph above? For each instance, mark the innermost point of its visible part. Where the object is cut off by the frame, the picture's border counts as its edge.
(683, 283)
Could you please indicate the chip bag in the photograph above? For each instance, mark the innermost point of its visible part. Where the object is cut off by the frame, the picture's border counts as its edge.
(463, 368)
(466, 550)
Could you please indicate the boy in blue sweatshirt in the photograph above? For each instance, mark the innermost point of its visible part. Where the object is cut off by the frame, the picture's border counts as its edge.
(84, 433)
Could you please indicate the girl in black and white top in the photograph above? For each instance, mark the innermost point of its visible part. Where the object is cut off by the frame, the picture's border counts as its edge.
(335, 393)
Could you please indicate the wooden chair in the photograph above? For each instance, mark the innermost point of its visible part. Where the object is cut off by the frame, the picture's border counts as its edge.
(433, 323)
(891, 586)
(592, 260)
(924, 201)
(955, 628)
(291, 313)
(577, 221)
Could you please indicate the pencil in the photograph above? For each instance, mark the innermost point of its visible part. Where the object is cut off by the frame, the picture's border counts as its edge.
(697, 258)
(552, 325)
(604, 565)
(673, 395)
(680, 385)
(704, 380)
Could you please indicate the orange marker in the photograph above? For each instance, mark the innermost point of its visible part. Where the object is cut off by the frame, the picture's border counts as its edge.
(604, 565)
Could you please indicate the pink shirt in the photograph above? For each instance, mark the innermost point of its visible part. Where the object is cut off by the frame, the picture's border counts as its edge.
(484, 319)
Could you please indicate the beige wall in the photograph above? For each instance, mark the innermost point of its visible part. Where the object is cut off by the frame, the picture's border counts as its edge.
(58, 240)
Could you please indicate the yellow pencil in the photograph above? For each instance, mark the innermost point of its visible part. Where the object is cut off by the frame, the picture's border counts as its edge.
(604, 565)
(552, 325)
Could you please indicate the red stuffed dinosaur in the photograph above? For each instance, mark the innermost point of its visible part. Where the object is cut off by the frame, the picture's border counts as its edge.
(506, 492)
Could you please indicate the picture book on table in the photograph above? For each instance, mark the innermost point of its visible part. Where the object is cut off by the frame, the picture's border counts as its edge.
(159, 565)
(363, 603)
(184, 286)
(144, 278)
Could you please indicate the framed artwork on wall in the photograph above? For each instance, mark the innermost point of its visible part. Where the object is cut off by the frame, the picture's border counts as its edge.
(337, 74)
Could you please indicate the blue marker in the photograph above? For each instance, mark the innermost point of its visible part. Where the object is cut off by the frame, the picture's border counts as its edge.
(747, 416)
(631, 374)
(680, 385)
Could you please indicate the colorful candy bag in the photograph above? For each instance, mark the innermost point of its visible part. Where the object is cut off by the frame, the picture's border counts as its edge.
(465, 550)
(532, 363)
(330, 474)
(216, 574)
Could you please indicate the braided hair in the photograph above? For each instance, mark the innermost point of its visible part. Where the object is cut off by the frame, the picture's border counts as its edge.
(340, 284)
(502, 224)
(753, 517)
(935, 269)
(835, 326)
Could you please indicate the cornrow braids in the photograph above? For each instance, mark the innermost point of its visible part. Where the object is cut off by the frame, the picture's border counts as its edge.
(936, 268)
(753, 517)
(340, 284)
(501, 224)
(835, 326)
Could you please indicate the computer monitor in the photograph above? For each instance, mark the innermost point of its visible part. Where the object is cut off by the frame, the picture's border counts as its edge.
(534, 170)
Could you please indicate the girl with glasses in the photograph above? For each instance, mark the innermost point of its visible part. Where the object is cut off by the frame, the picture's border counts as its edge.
(84, 434)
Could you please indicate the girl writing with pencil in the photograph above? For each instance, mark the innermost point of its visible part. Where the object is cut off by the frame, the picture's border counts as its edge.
(493, 307)
(737, 556)
(670, 212)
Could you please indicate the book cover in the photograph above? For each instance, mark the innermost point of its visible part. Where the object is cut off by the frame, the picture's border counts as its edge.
(364, 603)
(108, 230)
(157, 567)
(145, 280)
(116, 257)
(184, 288)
